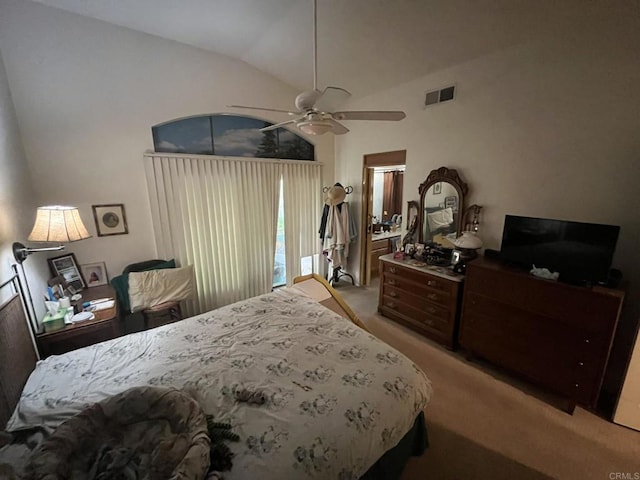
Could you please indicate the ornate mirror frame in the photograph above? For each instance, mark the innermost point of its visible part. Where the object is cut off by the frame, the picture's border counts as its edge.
(413, 210)
(442, 174)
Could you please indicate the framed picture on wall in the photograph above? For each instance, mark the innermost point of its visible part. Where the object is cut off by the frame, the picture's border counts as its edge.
(67, 267)
(451, 202)
(437, 188)
(110, 219)
(95, 274)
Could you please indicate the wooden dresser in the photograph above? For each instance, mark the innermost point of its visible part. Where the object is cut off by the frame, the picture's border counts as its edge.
(422, 297)
(556, 335)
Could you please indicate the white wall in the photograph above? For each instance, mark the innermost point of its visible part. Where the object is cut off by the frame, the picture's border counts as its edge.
(378, 194)
(17, 203)
(547, 129)
(86, 95)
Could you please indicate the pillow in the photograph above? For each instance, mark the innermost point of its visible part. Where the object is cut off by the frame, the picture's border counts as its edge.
(153, 287)
(121, 283)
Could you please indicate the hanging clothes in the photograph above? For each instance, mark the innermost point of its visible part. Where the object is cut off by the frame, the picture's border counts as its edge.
(340, 231)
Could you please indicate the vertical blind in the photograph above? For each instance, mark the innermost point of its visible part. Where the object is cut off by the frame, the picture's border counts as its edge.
(302, 212)
(220, 215)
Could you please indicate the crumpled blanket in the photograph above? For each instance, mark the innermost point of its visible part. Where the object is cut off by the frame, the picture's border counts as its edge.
(145, 432)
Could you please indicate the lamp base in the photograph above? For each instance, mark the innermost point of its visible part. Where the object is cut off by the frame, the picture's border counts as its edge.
(20, 252)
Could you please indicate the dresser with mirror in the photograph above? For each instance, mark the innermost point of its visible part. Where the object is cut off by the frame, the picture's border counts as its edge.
(423, 292)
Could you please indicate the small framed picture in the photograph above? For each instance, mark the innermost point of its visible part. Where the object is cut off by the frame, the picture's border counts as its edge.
(110, 219)
(451, 202)
(95, 274)
(437, 188)
(67, 267)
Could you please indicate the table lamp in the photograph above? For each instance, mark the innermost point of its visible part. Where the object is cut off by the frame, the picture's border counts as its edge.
(466, 246)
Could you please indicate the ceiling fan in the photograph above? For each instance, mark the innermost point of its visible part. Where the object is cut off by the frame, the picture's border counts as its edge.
(315, 115)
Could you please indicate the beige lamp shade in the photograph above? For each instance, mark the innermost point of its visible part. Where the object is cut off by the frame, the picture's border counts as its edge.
(58, 224)
(468, 240)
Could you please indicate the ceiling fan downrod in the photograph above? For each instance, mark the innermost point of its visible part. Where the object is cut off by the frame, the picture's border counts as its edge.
(315, 44)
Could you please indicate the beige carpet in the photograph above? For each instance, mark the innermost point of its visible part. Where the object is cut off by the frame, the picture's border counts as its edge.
(483, 424)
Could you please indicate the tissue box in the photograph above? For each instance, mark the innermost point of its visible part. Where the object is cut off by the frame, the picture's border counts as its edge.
(54, 322)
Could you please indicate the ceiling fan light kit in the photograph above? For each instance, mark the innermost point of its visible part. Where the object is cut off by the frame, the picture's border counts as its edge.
(315, 127)
(315, 107)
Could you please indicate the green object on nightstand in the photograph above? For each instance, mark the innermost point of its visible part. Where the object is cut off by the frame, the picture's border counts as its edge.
(53, 322)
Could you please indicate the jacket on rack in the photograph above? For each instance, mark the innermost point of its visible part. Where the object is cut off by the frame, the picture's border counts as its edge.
(339, 232)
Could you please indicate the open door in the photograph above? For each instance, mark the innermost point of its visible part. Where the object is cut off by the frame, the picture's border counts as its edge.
(373, 246)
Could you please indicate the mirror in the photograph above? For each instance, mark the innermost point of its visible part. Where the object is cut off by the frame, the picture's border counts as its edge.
(413, 207)
(441, 205)
(413, 214)
(387, 199)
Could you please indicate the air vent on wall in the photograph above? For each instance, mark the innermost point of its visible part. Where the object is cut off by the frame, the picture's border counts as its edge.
(438, 96)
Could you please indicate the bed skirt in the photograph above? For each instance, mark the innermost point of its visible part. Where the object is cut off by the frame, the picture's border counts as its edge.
(392, 463)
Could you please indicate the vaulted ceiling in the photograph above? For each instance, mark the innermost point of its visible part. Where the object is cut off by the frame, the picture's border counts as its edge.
(363, 45)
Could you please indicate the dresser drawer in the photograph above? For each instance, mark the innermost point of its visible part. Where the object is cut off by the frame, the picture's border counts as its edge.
(416, 300)
(380, 244)
(576, 306)
(62, 341)
(442, 297)
(421, 278)
(420, 317)
(503, 288)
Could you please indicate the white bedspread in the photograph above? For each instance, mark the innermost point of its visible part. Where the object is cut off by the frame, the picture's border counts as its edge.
(337, 397)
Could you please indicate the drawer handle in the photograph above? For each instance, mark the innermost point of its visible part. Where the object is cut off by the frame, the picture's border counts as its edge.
(391, 282)
(432, 296)
(581, 364)
(432, 283)
(586, 340)
(392, 269)
(432, 310)
(393, 294)
(577, 385)
(391, 305)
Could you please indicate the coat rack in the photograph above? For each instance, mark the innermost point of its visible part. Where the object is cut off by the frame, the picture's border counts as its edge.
(335, 198)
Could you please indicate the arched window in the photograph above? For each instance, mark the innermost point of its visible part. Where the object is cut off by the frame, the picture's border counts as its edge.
(229, 135)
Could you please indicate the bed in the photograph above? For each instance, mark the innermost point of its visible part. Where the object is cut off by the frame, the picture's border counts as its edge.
(339, 403)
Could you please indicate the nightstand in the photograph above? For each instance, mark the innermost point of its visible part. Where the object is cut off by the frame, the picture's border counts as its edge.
(105, 326)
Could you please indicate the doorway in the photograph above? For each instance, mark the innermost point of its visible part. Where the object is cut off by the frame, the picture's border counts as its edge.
(382, 182)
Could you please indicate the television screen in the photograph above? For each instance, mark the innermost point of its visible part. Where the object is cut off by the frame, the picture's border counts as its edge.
(580, 252)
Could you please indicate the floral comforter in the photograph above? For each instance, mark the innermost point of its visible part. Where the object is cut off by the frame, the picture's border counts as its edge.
(335, 397)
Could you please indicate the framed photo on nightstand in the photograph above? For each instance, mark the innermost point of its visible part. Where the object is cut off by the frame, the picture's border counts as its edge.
(67, 266)
(95, 274)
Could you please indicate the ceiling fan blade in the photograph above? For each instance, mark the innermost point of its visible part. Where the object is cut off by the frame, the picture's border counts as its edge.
(331, 98)
(370, 115)
(265, 109)
(337, 128)
(278, 125)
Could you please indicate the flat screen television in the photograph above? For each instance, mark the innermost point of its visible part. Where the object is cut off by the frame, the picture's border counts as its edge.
(580, 252)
